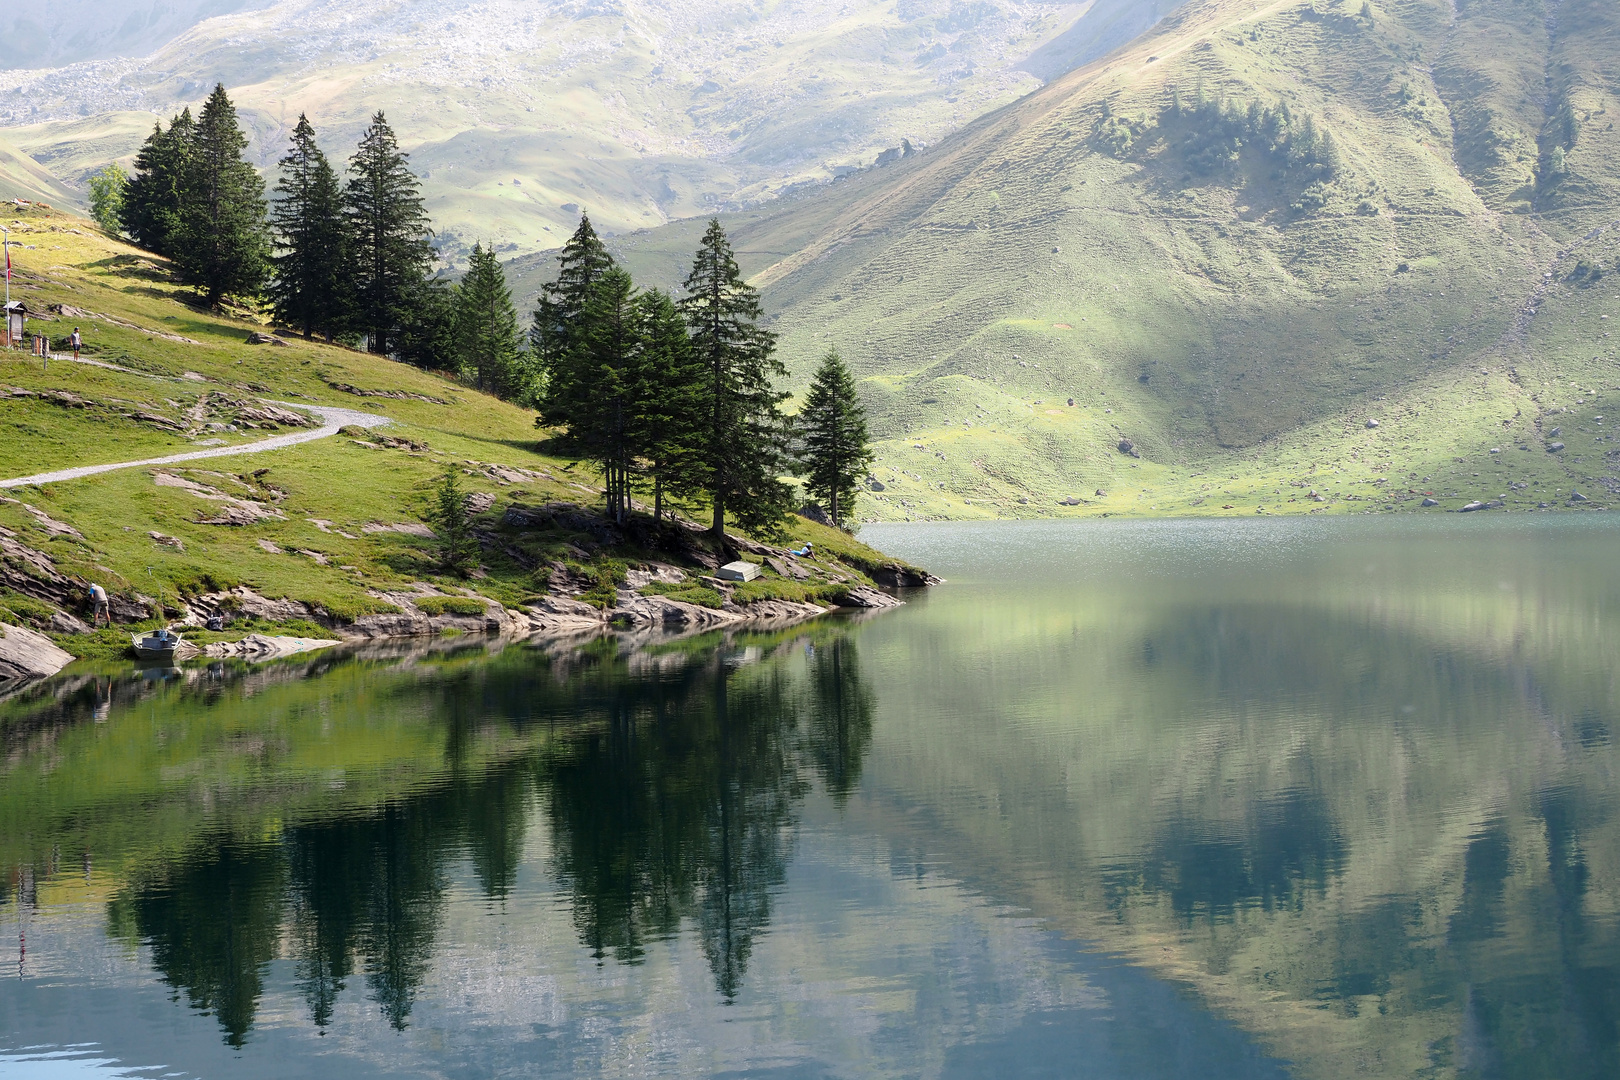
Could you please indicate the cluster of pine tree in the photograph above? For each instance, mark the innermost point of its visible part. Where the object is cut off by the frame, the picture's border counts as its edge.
(196, 200)
(677, 397)
(1217, 131)
(348, 261)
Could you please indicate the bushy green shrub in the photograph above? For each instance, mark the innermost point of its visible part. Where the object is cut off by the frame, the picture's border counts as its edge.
(1214, 134)
(1586, 273)
(686, 593)
(451, 605)
(796, 592)
(24, 610)
(605, 593)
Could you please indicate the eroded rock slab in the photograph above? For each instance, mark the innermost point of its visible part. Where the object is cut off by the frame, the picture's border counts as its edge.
(25, 654)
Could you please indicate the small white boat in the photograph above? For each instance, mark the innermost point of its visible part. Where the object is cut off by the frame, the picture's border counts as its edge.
(159, 645)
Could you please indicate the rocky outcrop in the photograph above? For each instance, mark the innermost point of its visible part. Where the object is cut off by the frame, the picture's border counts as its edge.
(862, 596)
(564, 517)
(561, 615)
(33, 573)
(232, 510)
(896, 576)
(257, 648)
(814, 512)
(25, 654)
(398, 395)
(654, 612)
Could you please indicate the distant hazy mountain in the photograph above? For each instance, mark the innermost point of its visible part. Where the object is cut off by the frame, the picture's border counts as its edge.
(56, 32)
(519, 112)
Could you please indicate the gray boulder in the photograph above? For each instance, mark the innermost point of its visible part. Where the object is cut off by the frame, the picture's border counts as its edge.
(815, 513)
(25, 654)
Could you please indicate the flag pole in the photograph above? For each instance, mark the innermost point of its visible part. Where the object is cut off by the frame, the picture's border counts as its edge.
(9, 342)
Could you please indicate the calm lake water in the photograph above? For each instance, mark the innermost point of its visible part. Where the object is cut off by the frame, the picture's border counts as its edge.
(1315, 798)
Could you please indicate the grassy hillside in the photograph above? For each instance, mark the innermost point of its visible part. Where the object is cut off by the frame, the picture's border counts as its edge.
(316, 523)
(516, 114)
(21, 177)
(1238, 322)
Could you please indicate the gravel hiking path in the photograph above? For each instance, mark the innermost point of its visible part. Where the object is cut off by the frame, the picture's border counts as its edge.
(331, 420)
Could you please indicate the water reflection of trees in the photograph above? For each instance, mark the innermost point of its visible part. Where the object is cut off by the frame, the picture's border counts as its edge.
(682, 805)
(671, 782)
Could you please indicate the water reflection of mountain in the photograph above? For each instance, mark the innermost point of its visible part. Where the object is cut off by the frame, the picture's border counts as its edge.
(669, 782)
(1366, 842)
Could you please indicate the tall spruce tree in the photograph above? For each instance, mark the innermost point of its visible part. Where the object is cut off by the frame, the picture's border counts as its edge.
(151, 212)
(670, 402)
(744, 442)
(223, 243)
(596, 393)
(426, 335)
(388, 232)
(834, 452)
(489, 344)
(582, 261)
(310, 289)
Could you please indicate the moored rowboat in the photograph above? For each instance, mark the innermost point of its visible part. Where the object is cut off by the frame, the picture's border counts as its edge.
(159, 645)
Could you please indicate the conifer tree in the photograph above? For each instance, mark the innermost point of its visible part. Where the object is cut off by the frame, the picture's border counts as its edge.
(310, 290)
(223, 244)
(107, 190)
(744, 440)
(597, 390)
(151, 214)
(488, 342)
(388, 231)
(832, 431)
(426, 335)
(670, 402)
(581, 262)
(458, 548)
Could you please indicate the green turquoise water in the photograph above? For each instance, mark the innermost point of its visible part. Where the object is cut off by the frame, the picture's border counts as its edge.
(1314, 798)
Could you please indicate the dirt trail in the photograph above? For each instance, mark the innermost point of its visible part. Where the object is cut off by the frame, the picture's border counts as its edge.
(331, 420)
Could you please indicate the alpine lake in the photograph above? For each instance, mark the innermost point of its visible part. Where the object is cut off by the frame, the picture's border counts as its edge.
(1264, 798)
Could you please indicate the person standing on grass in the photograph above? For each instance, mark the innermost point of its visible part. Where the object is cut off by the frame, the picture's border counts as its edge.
(77, 342)
(98, 606)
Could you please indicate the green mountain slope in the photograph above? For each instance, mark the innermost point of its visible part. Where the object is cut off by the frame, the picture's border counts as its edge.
(21, 177)
(519, 113)
(1203, 300)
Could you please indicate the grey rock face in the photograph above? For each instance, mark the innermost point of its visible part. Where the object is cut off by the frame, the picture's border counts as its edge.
(25, 654)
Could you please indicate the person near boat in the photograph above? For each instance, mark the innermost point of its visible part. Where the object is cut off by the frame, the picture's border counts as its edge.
(99, 608)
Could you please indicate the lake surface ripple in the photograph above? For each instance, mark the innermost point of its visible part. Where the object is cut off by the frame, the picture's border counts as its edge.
(1314, 798)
